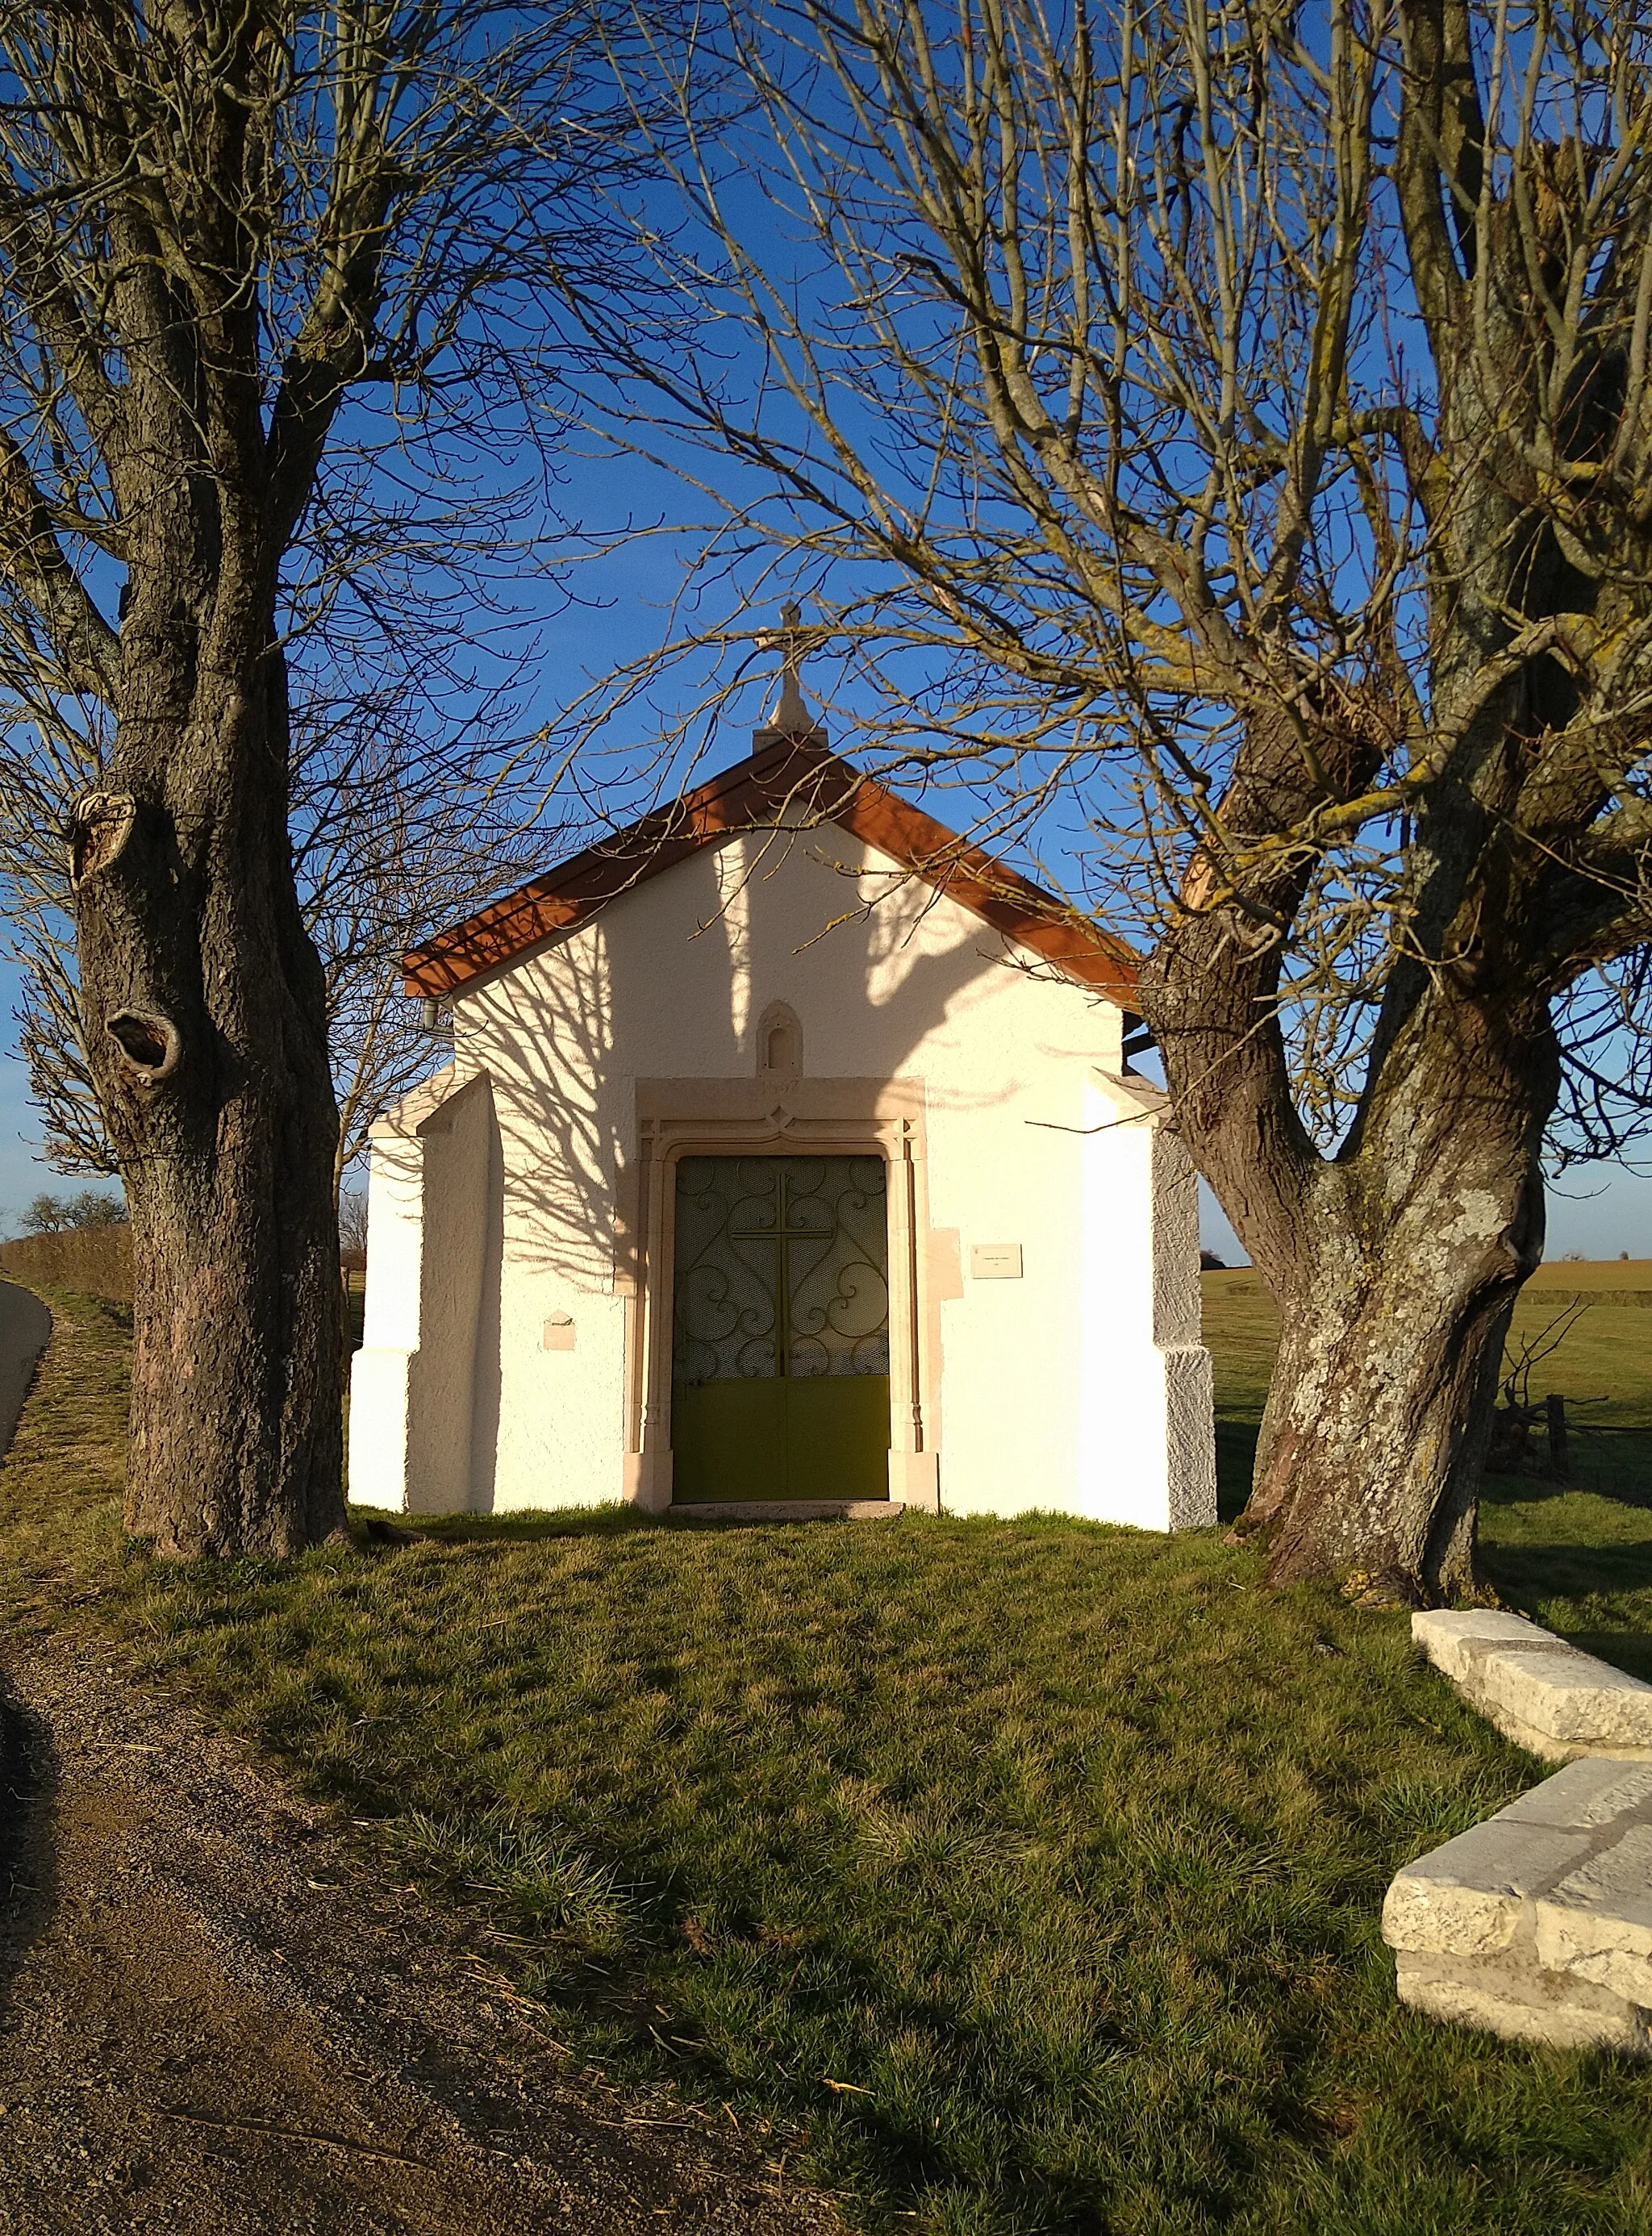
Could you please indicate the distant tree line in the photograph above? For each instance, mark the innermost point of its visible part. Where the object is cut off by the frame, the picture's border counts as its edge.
(72, 1214)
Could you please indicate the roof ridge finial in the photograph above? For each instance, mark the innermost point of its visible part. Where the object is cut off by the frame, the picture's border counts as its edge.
(792, 717)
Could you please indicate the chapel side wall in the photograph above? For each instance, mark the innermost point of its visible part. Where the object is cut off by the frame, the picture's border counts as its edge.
(1178, 1335)
(454, 1147)
(671, 984)
(1146, 1429)
(379, 1372)
(395, 1240)
(548, 1427)
(411, 1381)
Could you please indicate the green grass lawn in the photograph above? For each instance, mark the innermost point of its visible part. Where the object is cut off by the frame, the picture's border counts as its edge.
(1028, 1873)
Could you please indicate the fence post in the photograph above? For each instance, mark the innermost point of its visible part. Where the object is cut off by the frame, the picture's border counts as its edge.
(1554, 1407)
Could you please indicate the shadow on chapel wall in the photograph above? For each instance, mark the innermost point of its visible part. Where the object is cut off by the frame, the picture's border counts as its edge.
(674, 985)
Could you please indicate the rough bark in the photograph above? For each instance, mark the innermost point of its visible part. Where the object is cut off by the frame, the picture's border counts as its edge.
(1395, 1268)
(1395, 1263)
(204, 1012)
(211, 1066)
(1394, 1297)
(203, 1009)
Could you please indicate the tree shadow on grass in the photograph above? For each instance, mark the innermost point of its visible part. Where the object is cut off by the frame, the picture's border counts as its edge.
(526, 1526)
(537, 1526)
(1538, 1553)
(1559, 1571)
(27, 1844)
(1629, 1650)
(1236, 1465)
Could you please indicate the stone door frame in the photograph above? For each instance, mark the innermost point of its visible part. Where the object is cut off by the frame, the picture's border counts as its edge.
(676, 1118)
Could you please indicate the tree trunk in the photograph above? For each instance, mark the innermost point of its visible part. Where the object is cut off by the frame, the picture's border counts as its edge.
(1392, 1327)
(203, 1004)
(1396, 1262)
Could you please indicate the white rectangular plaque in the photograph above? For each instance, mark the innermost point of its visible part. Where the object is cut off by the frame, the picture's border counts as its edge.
(994, 1262)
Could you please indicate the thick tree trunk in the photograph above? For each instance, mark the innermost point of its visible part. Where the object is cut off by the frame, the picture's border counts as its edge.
(1392, 1314)
(203, 1003)
(1395, 1266)
(1394, 1263)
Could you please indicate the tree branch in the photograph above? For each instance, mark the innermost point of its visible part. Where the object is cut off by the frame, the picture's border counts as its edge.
(88, 648)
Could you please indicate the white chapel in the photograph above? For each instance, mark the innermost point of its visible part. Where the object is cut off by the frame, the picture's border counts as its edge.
(788, 1162)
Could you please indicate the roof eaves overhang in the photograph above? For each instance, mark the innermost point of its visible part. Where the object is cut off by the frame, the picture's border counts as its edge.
(798, 781)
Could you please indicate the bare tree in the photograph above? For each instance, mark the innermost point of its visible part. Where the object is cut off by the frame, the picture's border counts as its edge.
(1236, 421)
(404, 828)
(400, 822)
(68, 1214)
(274, 289)
(352, 1229)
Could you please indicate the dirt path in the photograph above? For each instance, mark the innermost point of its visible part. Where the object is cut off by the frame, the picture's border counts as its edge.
(214, 2020)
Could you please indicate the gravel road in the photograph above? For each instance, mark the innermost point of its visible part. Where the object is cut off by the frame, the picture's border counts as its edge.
(24, 1325)
(216, 2020)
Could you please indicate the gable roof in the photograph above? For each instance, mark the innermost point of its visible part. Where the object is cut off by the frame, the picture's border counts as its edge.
(798, 778)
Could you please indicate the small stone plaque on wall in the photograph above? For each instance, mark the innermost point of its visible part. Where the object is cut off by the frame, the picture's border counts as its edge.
(559, 1331)
(994, 1262)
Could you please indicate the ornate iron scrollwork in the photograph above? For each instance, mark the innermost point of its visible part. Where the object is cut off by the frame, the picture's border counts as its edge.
(782, 1268)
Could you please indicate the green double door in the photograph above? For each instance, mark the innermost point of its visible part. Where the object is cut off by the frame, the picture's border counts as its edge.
(779, 1365)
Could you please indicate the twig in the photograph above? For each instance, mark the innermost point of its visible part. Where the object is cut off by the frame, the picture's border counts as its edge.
(294, 2136)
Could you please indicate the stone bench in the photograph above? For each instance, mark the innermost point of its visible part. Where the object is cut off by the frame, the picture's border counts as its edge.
(1545, 1695)
(1538, 1924)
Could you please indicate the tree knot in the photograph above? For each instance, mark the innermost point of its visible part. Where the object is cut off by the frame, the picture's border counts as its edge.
(100, 823)
(149, 1045)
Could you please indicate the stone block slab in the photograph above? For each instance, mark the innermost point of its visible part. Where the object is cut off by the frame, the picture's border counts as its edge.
(787, 1510)
(1520, 2004)
(1469, 1898)
(1542, 1693)
(1570, 1697)
(1594, 1790)
(1537, 1923)
(1455, 1640)
(1596, 1923)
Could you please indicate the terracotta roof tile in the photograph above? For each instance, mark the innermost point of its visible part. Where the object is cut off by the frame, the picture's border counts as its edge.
(800, 779)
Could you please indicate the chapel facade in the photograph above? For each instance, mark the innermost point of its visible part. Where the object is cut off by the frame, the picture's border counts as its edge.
(788, 1160)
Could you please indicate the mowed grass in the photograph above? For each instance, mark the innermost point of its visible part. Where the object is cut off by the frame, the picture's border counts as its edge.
(1025, 1875)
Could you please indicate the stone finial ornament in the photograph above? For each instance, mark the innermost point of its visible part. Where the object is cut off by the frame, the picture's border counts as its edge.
(792, 716)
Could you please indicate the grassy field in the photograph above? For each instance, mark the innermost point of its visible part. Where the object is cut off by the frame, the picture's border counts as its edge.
(1601, 1364)
(1028, 1874)
(1576, 1557)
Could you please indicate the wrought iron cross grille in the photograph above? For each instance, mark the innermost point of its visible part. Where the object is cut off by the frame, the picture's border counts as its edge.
(782, 1268)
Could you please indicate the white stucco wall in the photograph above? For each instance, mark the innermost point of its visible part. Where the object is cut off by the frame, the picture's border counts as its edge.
(1055, 1390)
(412, 1383)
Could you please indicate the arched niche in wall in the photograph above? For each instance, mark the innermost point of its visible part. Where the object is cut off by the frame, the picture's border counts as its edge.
(779, 1042)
